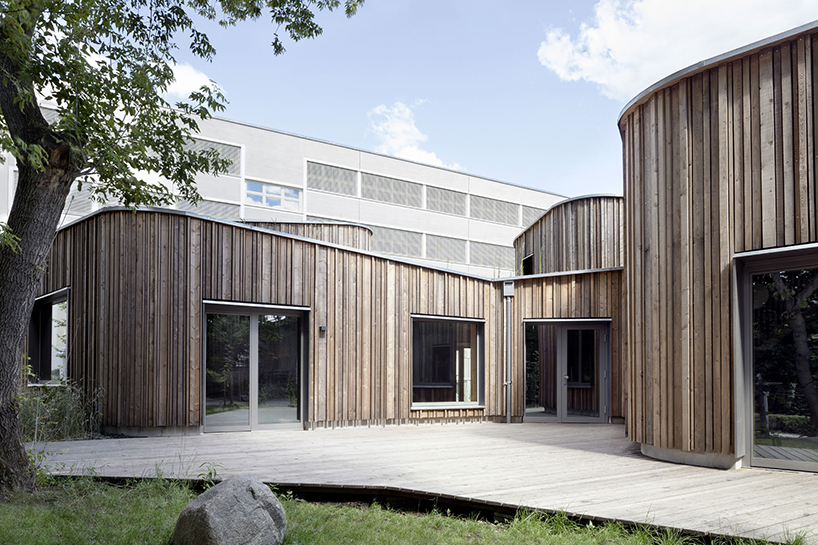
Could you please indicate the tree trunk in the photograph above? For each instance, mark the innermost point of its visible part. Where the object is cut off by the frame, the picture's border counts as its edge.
(38, 204)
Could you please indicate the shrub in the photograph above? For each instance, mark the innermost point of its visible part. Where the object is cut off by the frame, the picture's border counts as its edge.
(58, 413)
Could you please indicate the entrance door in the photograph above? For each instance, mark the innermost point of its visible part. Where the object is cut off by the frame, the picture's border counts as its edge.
(566, 371)
(252, 370)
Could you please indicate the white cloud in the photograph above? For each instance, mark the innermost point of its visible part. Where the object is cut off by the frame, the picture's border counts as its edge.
(186, 80)
(395, 126)
(632, 44)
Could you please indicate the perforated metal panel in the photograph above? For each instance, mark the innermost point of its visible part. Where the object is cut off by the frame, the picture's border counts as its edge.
(396, 242)
(391, 190)
(445, 249)
(226, 151)
(332, 179)
(212, 209)
(531, 214)
(444, 200)
(493, 210)
(491, 255)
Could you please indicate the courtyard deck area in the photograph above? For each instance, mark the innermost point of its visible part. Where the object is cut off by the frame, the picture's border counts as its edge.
(590, 470)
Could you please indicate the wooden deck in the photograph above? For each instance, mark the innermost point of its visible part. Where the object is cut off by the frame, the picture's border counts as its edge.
(586, 469)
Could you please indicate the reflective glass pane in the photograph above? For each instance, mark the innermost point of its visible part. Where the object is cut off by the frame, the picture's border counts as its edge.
(292, 193)
(272, 201)
(582, 372)
(278, 357)
(445, 362)
(59, 341)
(785, 365)
(255, 186)
(541, 369)
(255, 198)
(290, 205)
(227, 384)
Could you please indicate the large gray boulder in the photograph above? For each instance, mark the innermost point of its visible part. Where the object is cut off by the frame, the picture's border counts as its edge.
(239, 510)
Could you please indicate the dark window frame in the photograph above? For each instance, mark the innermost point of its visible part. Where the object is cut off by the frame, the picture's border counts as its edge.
(479, 348)
(39, 338)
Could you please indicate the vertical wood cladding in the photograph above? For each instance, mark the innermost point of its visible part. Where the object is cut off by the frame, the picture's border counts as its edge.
(717, 162)
(138, 281)
(588, 295)
(345, 234)
(574, 235)
(580, 234)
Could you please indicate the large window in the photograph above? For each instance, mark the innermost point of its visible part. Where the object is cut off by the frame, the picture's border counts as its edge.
(777, 369)
(785, 367)
(447, 362)
(48, 339)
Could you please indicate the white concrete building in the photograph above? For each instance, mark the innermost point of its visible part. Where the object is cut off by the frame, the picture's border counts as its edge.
(427, 214)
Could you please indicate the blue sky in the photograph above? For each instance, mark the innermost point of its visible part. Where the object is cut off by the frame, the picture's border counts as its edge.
(526, 92)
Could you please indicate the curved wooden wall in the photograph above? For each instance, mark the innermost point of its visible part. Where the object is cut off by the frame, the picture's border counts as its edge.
(574, 235)
(719, 160)
(345, 234)
(138, 280)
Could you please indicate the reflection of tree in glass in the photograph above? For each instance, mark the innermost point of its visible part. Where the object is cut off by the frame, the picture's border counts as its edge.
(786, 344)
(278, 359)
(228, 349)
(60, 325)
(532, 367)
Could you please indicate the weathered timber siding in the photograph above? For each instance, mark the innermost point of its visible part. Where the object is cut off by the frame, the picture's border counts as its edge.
(575, 235)
(580, 234)
(138, 282)
(718, 161)
(589, 295)
(345, 234)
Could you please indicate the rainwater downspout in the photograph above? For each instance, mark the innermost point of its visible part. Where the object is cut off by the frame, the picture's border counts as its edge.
(508, 293)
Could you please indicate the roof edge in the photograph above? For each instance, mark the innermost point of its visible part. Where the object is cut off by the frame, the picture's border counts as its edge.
(707, 63)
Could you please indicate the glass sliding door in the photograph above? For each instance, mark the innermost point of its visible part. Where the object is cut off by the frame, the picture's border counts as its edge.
(541, 370)
(566, 367)
(785, 369)
(253, 369)
(227, 372)
(278, 365)
(582, 372)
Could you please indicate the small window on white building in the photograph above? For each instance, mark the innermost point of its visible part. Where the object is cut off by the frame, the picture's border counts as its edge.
(273, 196)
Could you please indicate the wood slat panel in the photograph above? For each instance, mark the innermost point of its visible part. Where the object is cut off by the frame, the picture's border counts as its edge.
(734, 158)
(579, 234)
(138, 282)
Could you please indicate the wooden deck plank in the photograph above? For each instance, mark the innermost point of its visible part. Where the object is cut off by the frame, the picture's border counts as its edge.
(583, 469)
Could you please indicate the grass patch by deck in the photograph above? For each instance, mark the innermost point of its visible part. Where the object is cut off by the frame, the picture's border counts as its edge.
(86, 511)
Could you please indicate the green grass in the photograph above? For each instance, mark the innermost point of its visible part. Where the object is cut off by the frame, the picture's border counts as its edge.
(85, 511)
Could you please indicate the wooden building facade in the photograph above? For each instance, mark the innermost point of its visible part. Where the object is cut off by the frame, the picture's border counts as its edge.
(720, 175)
(688, 308)
(138, 285)
(571, 265)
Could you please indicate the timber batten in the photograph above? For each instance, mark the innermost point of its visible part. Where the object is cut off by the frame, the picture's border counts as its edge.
(139, 280)
(578, 244)
(718, 160)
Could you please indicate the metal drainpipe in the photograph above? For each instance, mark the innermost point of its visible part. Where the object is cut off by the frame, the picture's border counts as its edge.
(508, 292)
